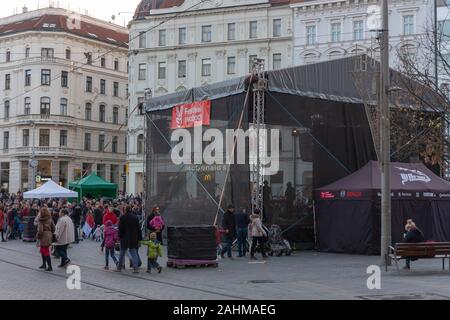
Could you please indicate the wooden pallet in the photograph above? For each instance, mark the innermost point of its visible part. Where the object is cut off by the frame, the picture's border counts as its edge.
(183, 264)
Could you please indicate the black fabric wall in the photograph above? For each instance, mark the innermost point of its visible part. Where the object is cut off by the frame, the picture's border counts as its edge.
(341, 131)
(345, 226)
(354, 226)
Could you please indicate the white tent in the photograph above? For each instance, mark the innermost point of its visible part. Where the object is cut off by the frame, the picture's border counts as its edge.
(50, 190)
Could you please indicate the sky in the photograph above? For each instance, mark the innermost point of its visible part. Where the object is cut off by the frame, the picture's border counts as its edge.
(102, 9)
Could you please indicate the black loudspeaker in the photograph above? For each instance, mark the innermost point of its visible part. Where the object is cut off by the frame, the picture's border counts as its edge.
(191, 242)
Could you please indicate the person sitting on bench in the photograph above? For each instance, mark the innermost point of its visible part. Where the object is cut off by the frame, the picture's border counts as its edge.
(413, 235)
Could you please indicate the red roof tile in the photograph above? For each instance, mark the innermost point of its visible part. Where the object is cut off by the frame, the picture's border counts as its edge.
(59, 23)
(143, 9)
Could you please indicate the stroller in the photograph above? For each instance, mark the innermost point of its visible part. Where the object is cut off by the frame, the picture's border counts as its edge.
(277, 245)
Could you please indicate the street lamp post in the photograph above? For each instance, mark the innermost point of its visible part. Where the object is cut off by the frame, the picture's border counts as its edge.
(385, 139)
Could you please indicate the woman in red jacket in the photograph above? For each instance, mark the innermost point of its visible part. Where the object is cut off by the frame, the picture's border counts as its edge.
(109, 216)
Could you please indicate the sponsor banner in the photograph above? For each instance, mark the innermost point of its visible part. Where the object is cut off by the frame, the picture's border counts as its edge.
(191, 115)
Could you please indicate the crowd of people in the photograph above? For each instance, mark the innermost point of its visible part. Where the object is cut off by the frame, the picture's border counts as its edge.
(116, 224)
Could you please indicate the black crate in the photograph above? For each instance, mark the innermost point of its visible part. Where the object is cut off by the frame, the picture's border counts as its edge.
(191, 242)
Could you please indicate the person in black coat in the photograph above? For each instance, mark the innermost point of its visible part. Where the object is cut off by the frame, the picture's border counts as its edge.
(413, 235)
(229, 227)
(242, 220)
(130, 235)
(76, 219)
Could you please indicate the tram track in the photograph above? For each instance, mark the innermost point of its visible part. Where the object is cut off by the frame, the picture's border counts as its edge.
(160, 282)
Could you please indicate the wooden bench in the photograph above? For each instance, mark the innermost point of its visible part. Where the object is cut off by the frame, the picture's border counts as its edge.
(428, 250)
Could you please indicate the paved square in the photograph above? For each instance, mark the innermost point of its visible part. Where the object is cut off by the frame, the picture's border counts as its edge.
(305, 275)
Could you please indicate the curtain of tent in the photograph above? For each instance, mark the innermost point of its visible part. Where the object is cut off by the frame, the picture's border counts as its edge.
(345, 226)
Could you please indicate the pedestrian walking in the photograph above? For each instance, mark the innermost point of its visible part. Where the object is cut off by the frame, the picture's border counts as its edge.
(229, 227)
(75, 215)
(242, 222)
(154, 251)
(65, 235)
(258, 234)
(130, 235)
(157, 225)
(110, 237)
(45, 230)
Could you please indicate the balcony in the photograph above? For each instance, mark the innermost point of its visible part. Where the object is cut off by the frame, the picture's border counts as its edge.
(44, 151)
(45, 119)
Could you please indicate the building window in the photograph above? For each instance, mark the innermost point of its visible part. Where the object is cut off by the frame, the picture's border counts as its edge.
(250, 62)
(408, 25)
(88, 56)
(253, 34)
(102, 86)
(277, 27)
(206, 33)
(8, 56)
(162, 38)
(45, 106)
(5, 140)
(310, 35)
(276, 61)
(47, 53)
(88, 111)
(142, 39)
(116, 65)
(64, 79)
(25, 137)
(88, 84)
(27, 106)
(116, 89)
(103, 62)
(142, 71)
(182, 69)
(358, 30)
(101, 142)
(206, 67)
(336, 32)
(140, 144)
(114, 144)
(68, 54)
(7, 81)
(102, 113)
(87, 141)
(231, 65)
(63, 107)
(63, 138)
(182, 35)
(116, 115)
(27, 52)
(7, 109)
(27, 78)
(45, 77)
(232, 31)
(161, 70)
(44, 137)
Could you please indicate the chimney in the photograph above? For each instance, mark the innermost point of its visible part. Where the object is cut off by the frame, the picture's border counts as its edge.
(24, 9)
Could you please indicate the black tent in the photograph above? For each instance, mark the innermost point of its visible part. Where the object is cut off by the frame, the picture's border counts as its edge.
(348, 215)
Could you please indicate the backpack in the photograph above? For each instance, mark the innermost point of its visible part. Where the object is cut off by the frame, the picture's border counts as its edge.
(157, 223)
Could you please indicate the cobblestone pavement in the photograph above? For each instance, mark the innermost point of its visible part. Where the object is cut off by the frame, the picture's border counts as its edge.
(305, 275)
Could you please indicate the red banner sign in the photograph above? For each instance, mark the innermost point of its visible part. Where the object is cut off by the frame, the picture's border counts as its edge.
(191, 115)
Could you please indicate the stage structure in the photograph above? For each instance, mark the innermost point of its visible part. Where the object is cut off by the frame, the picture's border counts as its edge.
(266, 140)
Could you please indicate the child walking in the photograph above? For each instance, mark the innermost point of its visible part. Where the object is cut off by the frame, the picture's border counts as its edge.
(154, 251)
(110, 237)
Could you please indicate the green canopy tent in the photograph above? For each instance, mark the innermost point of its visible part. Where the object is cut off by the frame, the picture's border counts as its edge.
(94, 187)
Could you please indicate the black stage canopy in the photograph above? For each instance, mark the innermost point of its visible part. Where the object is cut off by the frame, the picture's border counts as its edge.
(348, 210)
